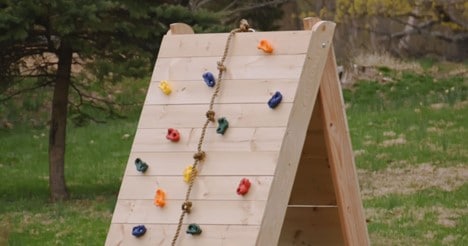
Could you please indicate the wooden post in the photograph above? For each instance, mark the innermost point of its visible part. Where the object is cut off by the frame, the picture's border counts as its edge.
(340, 154)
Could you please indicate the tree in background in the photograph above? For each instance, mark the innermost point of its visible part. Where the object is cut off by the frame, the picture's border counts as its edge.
(41, 41)
(69, 45)
(405, 28)
(401, 21)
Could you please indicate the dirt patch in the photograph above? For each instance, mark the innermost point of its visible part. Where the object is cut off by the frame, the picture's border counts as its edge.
(415, 217)
(396, 141)
(411, 179)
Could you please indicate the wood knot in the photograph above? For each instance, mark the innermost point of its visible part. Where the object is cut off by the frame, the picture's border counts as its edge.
(244, 25)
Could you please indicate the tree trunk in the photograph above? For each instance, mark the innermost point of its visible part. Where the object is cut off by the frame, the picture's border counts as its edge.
(58, 125)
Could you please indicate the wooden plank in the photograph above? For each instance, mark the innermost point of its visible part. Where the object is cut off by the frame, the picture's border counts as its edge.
(205, 188)
(225, 235)
(215, 163)
(311, 226)
(314, 144)
(243, 44)
(180, 28)
(341, 157)
(238, 115)
(232, 91)
(203, 212)
(235, 139)
(295, 134)
(238, 68)
(313, 183)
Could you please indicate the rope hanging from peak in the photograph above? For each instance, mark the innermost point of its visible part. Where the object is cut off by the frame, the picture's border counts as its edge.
(210, 117)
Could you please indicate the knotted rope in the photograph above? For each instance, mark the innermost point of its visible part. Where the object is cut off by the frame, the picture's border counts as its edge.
(210, 117)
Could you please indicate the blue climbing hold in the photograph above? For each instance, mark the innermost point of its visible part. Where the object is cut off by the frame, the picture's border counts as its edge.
(209, 79)
(141, 166)
(275, 100)
(139, 231)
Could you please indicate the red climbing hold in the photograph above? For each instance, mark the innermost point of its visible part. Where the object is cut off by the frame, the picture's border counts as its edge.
(244, 187)
(173, 135)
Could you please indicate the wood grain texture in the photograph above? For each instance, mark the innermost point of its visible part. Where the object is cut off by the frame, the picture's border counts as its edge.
(259, 67)
(180, 28)
(203, 212)
(192, 116)
(232, 91)
(311, 226)
(243, 44)
(295, 135)
(313, 183)
(206, 188)
(341, 157)
(235, 139)
(161, 235)
(220, 163)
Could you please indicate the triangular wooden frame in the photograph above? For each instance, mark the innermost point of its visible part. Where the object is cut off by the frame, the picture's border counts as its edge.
(312, 197)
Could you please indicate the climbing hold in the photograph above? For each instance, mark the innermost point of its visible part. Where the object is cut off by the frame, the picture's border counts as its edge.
(160, 198)
(194, 229)
(141, 166)
(244, 187)
(265, 46)
(165, 87)
(275, 100)
(209, 79)
(139, 230)
(223, 125)
(188, 172)
(173, 135)
(187, 207)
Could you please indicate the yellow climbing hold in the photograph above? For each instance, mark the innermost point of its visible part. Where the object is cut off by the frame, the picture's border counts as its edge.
(188, 173)
(165, 87)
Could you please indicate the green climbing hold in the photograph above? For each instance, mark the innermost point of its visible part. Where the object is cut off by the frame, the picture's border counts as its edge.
(223, 125)
(141, 166)
(194, 229)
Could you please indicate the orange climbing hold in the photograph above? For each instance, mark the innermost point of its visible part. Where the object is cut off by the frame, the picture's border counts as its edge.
(265, 46)
(165, 87)
(160, 198)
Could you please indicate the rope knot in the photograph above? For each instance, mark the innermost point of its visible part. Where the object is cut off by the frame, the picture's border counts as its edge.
(210, 114)
(187, 206)
(244, 25)
(199, 156)
(221, 67)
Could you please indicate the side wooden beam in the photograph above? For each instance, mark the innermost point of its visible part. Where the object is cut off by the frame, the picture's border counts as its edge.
(293, 141)
(341, 157)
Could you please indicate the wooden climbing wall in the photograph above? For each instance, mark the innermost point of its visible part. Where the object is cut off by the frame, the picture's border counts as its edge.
(286, 152)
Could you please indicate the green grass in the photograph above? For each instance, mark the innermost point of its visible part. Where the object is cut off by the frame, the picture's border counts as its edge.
(415, 120)
(96, 157)
(412, 121)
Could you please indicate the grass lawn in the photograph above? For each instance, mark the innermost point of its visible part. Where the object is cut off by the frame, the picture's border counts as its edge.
(409, 138)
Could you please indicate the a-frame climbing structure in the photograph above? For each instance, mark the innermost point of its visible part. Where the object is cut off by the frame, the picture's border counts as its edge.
(297, 156)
